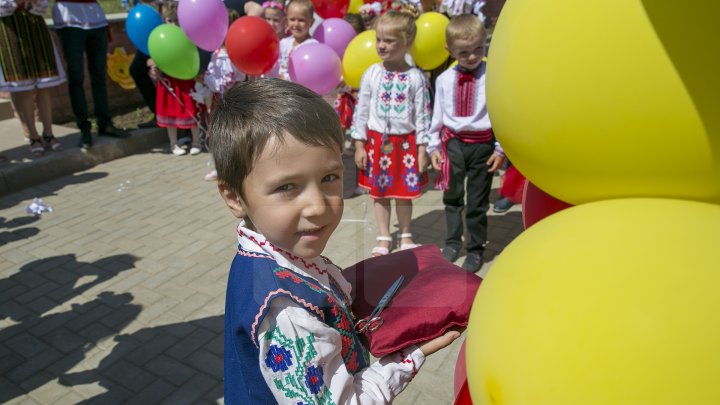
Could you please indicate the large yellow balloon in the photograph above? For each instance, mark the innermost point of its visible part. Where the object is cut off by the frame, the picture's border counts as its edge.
(611, 302)
(428, 50)
(360, 54)
(600, 99)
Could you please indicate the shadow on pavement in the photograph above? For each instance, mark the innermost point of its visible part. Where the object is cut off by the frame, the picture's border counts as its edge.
(38, 347)
(49, 188)
(177, 363)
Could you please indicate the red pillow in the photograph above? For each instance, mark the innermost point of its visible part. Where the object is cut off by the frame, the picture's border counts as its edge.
(435, 296)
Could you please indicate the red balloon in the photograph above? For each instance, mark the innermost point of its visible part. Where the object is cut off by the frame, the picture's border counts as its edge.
(460, 385)
(331, 8)
(537, 204)
(252, 45)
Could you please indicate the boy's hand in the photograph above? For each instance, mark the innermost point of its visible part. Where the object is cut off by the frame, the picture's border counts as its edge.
(495, 162)
(441, 342)
(437, 160)
(360, 155)
(423, 160)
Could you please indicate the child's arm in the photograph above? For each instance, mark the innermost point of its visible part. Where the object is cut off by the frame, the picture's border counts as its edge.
(301, 360)
(422, 110)
(436, 124)
(497, 159)
(358, 130)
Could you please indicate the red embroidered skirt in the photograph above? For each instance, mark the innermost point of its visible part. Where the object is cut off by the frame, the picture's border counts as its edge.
(174, 106)
(392, 167)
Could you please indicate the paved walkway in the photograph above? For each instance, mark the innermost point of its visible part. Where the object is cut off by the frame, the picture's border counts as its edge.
(118, 294)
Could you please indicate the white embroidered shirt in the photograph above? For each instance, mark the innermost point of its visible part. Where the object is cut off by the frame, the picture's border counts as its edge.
(392, 103)
(287, 321)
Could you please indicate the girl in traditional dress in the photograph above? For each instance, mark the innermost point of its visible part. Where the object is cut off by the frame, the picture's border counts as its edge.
(30, 67)
(300, 19)
(176, 108)
(390, 128)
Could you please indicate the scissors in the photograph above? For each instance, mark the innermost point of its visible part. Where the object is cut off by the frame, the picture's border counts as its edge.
(374, 321)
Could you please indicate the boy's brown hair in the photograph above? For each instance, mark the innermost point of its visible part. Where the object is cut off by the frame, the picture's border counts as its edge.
(253, 112)
(302, 3)
(464, 27)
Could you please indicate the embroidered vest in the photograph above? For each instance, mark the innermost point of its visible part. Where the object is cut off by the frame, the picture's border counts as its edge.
(254, 281)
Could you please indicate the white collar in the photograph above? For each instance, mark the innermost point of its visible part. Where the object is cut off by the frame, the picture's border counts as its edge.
(319, 268)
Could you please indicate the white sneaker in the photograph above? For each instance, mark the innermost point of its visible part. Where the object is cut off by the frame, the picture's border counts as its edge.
(178, 151)
(195, 150)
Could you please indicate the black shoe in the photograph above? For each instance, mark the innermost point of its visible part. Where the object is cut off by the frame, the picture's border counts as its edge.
(111, 130)
(148, 124)
(450, 253)
(473, 262)
(502, 205)
(85, 139)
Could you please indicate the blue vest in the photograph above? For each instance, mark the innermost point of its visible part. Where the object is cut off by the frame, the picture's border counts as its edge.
(254, 281)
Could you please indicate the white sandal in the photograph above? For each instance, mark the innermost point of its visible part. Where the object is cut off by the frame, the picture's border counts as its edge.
(381, 250)
(406, 246)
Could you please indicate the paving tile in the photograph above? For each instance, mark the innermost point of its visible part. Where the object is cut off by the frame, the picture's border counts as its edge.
(190, 343)
(8, 391)
(154, 393)
(26, 345)
(206, 362)
(63, 340)
(151, 349)
(170, 369)
(191, 390)
(131, 377)
(33, 366)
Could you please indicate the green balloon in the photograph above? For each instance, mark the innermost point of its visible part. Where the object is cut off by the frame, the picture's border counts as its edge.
(173, 53)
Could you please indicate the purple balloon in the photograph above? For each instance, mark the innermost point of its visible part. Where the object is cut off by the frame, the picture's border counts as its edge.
(335, 33)
(205, 22)
(315, 66)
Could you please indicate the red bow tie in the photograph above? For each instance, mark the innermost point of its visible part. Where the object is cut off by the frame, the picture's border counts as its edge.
(465, 77)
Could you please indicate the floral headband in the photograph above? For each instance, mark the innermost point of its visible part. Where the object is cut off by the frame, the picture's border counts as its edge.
(372, 9)
(273, 4)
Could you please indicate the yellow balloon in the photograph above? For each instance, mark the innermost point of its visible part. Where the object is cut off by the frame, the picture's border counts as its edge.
(603, 99)
(354, 7)
(611, 302)
(360, 54)
(428, 50)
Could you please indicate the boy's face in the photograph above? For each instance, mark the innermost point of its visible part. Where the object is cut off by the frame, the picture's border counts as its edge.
(299, 21)
(293, 196)
(277, 20)
(469, 53)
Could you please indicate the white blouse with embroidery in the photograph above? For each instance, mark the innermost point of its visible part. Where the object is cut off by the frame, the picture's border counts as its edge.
(392, 103)
(37, 7)
(221, 73)
(78, 15)
(325, 377)
(286, 48)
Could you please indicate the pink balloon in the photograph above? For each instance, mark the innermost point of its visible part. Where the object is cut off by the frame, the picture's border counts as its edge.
(335, 33)
(315, 66)
(205, 22)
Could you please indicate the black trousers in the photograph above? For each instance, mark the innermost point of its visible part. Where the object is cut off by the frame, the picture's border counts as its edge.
(468, 160)
(140, 74)
(76, 43)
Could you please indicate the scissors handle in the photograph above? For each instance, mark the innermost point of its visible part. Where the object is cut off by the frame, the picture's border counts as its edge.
(374, 321)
